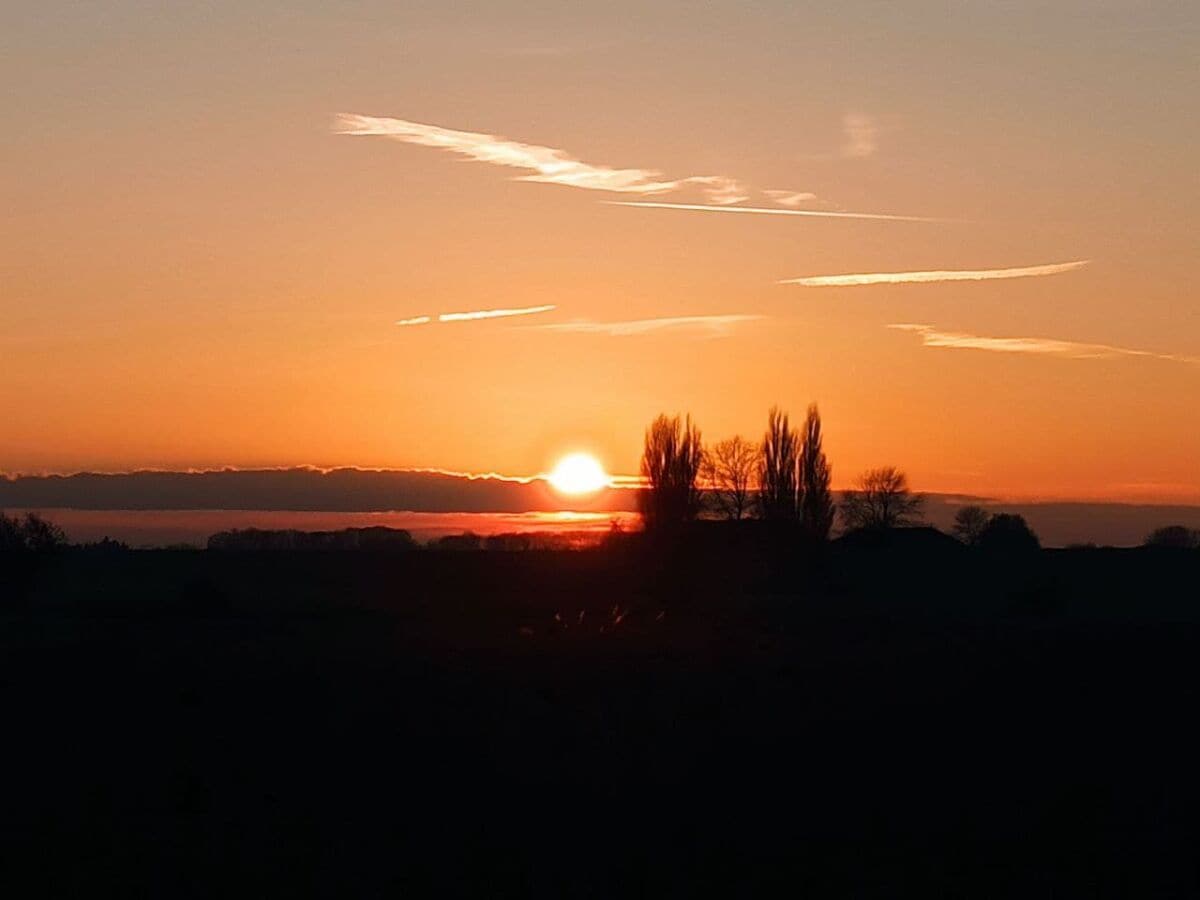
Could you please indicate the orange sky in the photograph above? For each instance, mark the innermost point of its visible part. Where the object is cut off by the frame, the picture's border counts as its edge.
(197, 270)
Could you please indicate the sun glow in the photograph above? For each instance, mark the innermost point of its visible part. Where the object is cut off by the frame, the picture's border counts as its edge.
(578, 473)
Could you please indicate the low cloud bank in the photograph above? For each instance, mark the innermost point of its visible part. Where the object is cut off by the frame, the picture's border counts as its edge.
(336, 490)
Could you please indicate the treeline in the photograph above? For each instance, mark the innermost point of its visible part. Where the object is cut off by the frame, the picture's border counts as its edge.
(783, 478)
(372, 538)
(31, 534)
(391, 540)
(521, 541)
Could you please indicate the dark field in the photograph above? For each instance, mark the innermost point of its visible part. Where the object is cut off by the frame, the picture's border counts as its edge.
(878, 721)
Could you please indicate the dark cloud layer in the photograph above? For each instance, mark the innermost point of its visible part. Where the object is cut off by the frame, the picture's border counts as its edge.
(336, 490)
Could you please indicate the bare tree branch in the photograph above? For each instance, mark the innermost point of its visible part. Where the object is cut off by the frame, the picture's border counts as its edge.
(730, 471)
(882, 500)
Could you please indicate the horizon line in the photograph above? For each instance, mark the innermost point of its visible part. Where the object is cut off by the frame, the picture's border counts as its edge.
(617, 482)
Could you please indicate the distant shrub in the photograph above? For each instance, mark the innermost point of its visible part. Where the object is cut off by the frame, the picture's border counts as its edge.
(528, 541)
(1176, 537)
(882, 500)
(466, 541)
(912, 541)
(105, 545)
(969, 523)
(616, 538)
(1006, 533)
(509, 543)
(376, 538)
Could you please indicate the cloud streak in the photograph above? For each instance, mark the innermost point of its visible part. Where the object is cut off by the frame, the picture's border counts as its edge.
(546, 164)
(1038, 346)
(854, 280)
(473, 315)
(791, 199)
(550, 165)
(769, 211)
(707, 326)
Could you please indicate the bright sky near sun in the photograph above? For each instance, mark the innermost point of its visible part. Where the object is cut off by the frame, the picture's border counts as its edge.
(480, 236)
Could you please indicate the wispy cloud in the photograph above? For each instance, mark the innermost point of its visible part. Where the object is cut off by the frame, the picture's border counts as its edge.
(791, 198)
(547, 164)
(932, 337)
(769, 211)
(707, 326)
(861, 135)
(473, 315)
(935, 276)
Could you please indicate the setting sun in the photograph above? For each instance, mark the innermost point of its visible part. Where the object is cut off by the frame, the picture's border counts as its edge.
(578, 473)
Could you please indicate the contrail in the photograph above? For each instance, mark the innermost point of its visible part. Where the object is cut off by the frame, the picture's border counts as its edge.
(478, 314)
(935, 276)
(495, 313)
(767, 211)
(712, 326)
(931, 337)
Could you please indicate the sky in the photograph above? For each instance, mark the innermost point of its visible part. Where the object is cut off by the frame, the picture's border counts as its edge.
(215, 215)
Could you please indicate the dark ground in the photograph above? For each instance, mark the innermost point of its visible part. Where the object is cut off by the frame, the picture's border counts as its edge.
(887, 721)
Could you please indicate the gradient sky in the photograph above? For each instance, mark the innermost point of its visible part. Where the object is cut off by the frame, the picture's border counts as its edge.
(198, 270)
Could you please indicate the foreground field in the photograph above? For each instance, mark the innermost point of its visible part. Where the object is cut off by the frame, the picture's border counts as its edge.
(875, 720)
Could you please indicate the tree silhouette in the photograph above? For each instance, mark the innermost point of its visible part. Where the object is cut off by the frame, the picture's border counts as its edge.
(42, 536)
(1006, 533)
(671, 458)
(12, 537)
(779, 469)
(33, 533)
(882, 500)
(730, 468)
(816, 500)
(1175, 536)
(969, 523)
